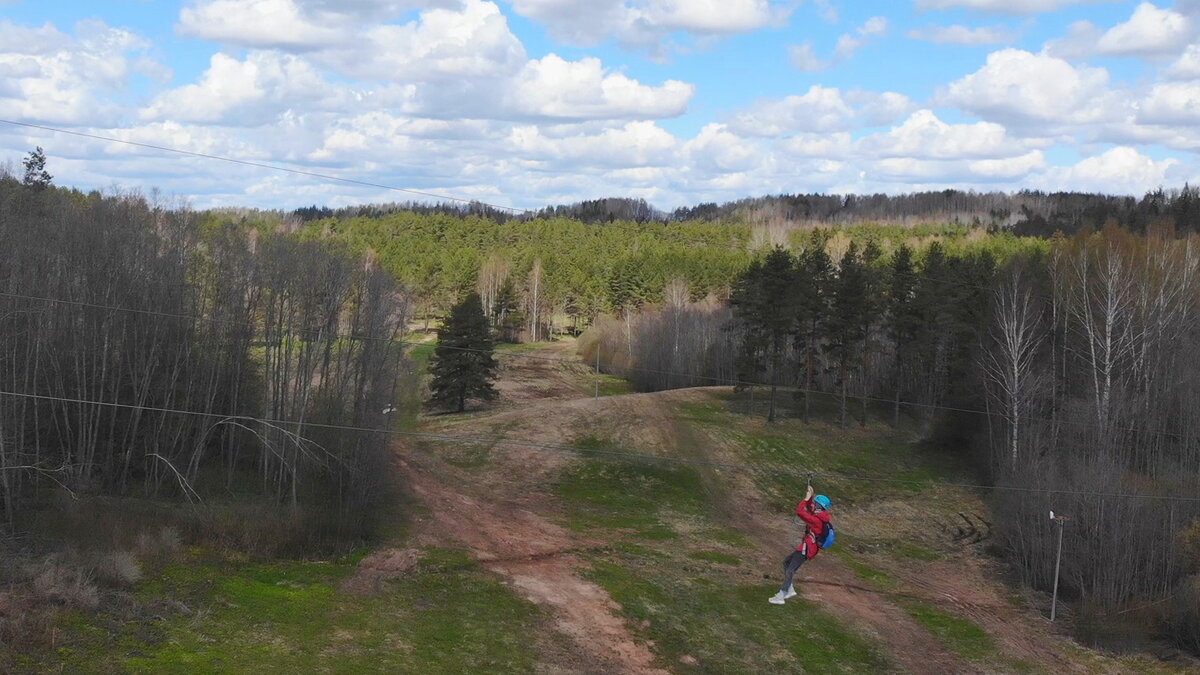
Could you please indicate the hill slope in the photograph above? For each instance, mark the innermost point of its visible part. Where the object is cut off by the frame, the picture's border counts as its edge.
(666, 564)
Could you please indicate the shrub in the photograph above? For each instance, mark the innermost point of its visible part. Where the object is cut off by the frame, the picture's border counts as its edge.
(118, 569)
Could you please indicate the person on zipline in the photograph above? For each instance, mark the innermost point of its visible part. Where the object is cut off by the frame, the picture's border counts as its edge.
(814, 511)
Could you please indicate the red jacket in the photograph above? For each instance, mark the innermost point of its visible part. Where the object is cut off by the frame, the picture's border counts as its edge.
(814, 524)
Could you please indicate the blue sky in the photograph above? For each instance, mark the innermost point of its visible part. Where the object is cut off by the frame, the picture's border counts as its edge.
(528, 102)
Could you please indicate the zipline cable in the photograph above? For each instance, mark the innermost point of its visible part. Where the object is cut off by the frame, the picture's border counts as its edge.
(717, 381)
(575, 450)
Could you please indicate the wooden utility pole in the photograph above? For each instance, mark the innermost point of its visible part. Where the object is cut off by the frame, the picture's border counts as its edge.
(1060, 519)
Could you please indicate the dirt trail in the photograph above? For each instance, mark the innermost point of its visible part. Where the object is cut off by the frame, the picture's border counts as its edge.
(536, 557)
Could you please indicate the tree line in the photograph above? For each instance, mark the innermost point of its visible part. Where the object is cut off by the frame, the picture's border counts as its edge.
(118, 312)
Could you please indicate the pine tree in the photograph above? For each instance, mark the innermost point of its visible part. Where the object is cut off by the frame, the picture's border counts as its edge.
(869, 315)
(814, 270)
(36, 176)
(846, 318)
(764, 305)
(463, 366)
(902, 318)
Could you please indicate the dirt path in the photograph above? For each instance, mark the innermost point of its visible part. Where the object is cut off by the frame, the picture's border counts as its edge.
(537, 558)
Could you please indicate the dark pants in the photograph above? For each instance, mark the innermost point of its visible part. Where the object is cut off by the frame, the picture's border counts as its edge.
(790, 565)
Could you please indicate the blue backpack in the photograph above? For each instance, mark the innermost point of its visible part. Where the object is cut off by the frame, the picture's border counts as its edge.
(825, 539)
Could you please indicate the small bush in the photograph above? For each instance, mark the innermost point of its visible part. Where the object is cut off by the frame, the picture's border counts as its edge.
(1181, 625)
(65, 585)
(118, 569)
(161, 546)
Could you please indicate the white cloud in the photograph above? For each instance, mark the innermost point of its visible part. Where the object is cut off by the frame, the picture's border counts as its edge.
(835, 145)
(924, 136)
(819, 109)
(718, 149)
(963, 35)
(1149, 32)
(1009, 168)
(50, 76)
(1187, 66)
(552, 87)
(472, 42)
(291, 24)
(1017, 87)
(1172, 103)
(643, 23)
(804, 58)
(445, 64)
(826, 10)
(635, 144)
(1001, 6)
(1121, 170)
(247, 93)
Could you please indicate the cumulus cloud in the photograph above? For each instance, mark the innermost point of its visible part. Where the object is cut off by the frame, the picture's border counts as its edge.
(1017, 87)
(553, 87)
(1001, 6)
(471, 42)
(1172, 103)
(1151, 32)
(819, 109)
(291, 24)
(963, 35)
(463, 63)
(1120, 170)
(248, 92)
(53, 77)
(1187, 66)
(924, 136)
(647, 22)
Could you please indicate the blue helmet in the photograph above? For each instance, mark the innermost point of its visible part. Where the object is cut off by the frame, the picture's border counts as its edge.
(823, 502)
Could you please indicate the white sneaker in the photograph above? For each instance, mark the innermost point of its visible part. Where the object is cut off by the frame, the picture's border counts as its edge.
(791, 593)
(777, 599)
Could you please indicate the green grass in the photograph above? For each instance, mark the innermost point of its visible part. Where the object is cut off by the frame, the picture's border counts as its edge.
(876, 578)
(289, 616)
(962, 636)
(420, 355)
(789, 445)
(627, 495)
(717, 557)
(729, 627)
(611, 385)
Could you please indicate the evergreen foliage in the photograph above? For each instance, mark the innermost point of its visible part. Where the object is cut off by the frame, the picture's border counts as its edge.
(36, 175)
(463, 366)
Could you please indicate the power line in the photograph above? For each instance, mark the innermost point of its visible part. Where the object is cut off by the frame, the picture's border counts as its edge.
(575, 450)
(718, 381)
(261, 165)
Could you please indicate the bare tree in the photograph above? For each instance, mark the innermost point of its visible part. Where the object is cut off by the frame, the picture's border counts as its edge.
(1012, 362)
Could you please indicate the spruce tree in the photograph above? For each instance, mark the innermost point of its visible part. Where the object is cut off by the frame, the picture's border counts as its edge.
(463, 366)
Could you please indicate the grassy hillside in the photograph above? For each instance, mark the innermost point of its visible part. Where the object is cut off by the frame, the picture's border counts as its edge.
(518, 559)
